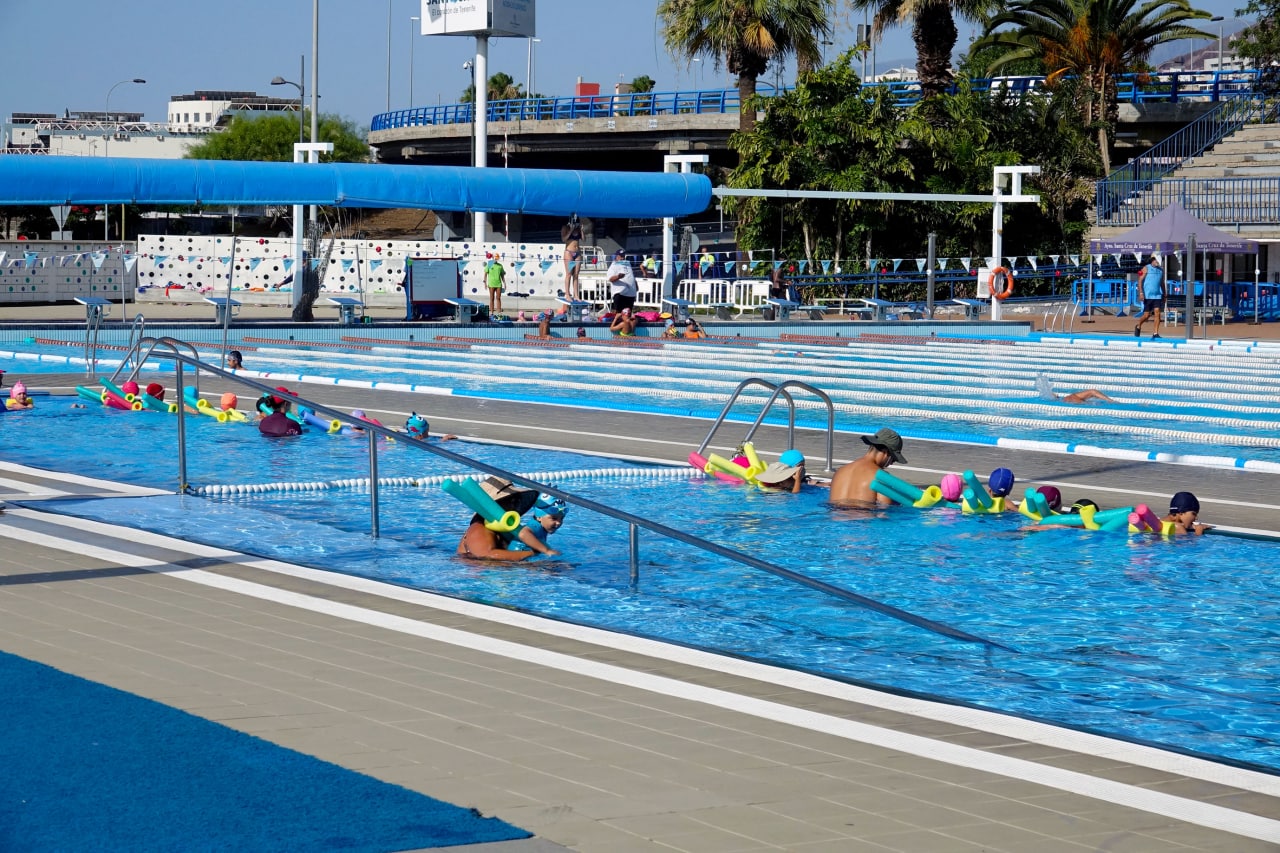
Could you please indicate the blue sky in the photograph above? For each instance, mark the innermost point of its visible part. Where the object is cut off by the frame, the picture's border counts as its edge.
(66, 54)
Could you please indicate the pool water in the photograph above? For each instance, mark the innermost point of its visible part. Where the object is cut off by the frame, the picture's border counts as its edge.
(1180, 400)
(1162, 641)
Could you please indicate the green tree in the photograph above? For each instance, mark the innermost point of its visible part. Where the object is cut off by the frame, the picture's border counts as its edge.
(1260, 42)
(745, 36)
(933, 30)
(1094, 41)
(643, 83)
(272, 137)
(828, 133)
(502, 87)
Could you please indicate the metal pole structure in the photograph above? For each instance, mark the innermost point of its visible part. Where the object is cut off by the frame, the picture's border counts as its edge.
(374, 528)
(528, 72)
(298, 229)
(682, 163)
(226, 315)
(1189, 284)
(313, 156)
(388, 55)
(1257, 309)
(997, 240)
(481, 72)
(1218, 19)
(933, 262)
(412, 39)
(106, 141)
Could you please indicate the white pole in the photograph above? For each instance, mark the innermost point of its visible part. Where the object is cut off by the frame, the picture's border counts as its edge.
(388, 55)
(413, 33)
(481, 70)
(313, 156)
(997, 241)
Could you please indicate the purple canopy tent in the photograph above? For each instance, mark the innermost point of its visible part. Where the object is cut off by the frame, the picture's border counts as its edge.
(1175, 229)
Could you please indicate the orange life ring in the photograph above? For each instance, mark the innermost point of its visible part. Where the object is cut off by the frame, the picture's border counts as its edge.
(1008, 283)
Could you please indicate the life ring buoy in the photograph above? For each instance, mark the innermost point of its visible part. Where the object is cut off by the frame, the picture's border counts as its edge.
(1008, 283)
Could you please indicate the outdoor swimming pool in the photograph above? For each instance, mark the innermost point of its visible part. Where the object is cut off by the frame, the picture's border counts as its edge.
(1162, 641)
(1195, 400)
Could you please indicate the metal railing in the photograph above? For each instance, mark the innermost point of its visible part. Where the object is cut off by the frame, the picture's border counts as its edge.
(1142, 172)
(779, 390)
(137, 331)
(1219, 201)
(168, 348)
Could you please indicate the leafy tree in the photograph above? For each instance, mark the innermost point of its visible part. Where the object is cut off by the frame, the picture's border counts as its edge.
(1094, 41)
(502, 87)
(933, 30)
(745, 36)
(1260, 42)
(272, 137)
(643, 83)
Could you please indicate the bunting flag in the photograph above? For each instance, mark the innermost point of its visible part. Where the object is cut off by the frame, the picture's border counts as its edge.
(374, 264)
(129, 261)
(29, 259)
(253, 263)
(991, 262)
(751, 256)
(160, 259)
(97, 258)
(44, 262)
(288, 265)
(920, 262)
(1097, 259)
(897, 262)
(224, 260)
(1137, 256)
(680, 265)
(314, 263)
(1075, 260)
(803, 266)
(546, 265)
(1055, 259)
(965, 262)
(347, 264)
(518, 266)
(2, 257)
(1032, 259)
(1012, 261)
(942, 263)
(703, 266)
(826, 266)
(728, 267)
(777, 265)
(64, 260)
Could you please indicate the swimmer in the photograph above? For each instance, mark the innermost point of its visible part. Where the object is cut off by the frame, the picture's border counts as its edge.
(1045, 389)
(851, 485)
(1184, 509)
(481, 543)
(19, 398)
(548, 515)
(623, 325)
(235, 360)
(544, 324)
(785, 475)
(228, 401)
(278, 423)
(1053, 497)
(130, 387)
(692, 330)
(418, 427)
(156, 390)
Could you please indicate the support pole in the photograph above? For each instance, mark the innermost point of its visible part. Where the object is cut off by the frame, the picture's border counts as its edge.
(682, 163)
(933, 262)
(481, 70)
(1188, 281)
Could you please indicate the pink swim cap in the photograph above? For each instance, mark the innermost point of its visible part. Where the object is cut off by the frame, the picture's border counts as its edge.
(18, 391)
(952, 487)
(228, 401)
(129, 387)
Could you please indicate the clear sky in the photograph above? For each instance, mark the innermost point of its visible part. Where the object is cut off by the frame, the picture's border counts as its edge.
(67, 54)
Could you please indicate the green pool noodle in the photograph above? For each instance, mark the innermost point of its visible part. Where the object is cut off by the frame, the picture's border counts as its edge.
(980, 497)
(89, 394)
(893, 488)
(153, 404)
(469, 492)
(116, 389)
(1102, 516)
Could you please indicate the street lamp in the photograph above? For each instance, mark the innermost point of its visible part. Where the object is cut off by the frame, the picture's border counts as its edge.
(528, 74)
(302, 97)
(106, 141)
(388, 55)
(1219, 19)
(413, 32)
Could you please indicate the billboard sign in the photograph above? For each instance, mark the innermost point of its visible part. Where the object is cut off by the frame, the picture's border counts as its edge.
(478, 17)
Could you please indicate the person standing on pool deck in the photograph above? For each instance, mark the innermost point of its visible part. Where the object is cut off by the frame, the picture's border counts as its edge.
(495, 277)
(1184, 509)
(1152, 284)
(851, 485)
(622, 280)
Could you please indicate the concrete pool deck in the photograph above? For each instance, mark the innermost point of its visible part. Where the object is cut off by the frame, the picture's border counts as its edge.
(596, 741)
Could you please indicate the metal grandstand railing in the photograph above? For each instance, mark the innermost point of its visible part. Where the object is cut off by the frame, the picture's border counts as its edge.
(1218, 201)
(1132, 88)
(1144, 171)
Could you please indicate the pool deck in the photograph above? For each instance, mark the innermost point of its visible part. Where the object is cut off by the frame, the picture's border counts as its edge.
(598, 741)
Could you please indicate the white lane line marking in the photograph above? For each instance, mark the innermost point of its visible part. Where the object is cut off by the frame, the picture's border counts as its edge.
(80, 480)
(1178, 808)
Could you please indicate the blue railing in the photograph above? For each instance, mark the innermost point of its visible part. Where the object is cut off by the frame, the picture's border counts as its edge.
(1147, 168)
(1218, 201)
(1133, 88)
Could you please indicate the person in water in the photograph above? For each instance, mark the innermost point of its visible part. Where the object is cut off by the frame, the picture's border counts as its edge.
(851, 485)
(1083, 396)
(481, 543)
(1184, 510)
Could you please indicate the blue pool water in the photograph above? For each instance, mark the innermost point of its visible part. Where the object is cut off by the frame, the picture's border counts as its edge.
(1164, 641)
(1186, 400)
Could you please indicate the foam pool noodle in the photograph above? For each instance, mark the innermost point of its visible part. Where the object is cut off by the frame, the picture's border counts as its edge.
(235, 415)
(975, 496)
(1028, 506)
(1088, 517)
(469, 492)
(329, 426)
(152, 403)
(201, 405)
(116, 401)
(716, 462)
(755, 467)
(1102, 516)
(896, 488)
(89, 394)
(1115, 523)
(930, 496)
(116, 389)
(1143, 520)
(1040, 503)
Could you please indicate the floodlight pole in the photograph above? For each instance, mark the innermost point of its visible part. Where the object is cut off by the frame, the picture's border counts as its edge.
(480, 73)
(300, 152)
(1011, 175)
(682, 163)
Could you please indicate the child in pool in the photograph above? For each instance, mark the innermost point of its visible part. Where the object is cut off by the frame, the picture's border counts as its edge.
(18, 398)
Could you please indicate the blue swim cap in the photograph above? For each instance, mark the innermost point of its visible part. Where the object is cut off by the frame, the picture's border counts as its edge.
(792, 458)
(1001, 482)
(417, 425)
(550, 505)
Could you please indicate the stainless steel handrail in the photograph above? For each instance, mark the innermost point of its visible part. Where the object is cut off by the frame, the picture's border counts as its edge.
(137, 330)
(779, 390)
(139, 360)
(634, 521)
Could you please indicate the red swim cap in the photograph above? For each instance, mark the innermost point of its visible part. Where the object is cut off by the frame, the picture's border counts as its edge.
(155, 389)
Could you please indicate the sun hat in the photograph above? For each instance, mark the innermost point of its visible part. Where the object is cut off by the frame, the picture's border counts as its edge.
(1183, 502)
(792, 457)
(952, 487)
(776, 473)
(155, 389)
(1052, 496)
(887, 440)
(665, 315)
(1001, 482)
(550, 505)
(508, 495)
(228, 401)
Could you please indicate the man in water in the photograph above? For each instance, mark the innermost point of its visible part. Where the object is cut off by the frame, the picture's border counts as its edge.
(1046, 391)
(851, 485)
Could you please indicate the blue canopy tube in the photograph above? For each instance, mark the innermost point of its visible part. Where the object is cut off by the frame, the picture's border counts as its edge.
(88, 180)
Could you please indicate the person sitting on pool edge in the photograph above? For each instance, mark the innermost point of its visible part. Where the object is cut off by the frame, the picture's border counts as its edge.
(1184, 509)
(278, 423)
(481, 543)
(623, 325)
(418, 427)
(851, 485)
(18, 398)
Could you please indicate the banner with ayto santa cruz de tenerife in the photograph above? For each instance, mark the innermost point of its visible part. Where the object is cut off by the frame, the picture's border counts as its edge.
(478, 17)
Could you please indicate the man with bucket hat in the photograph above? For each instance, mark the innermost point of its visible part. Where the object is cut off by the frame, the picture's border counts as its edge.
(851, 485)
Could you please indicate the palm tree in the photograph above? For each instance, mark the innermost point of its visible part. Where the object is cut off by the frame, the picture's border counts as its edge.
(1090, 42)
(745, 35)
(933, 29)
(501, 88)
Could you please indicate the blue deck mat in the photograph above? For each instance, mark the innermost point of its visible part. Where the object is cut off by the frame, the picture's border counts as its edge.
(89, 767)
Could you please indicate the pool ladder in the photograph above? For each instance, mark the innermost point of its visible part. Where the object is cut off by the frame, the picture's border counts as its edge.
(779, 390)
